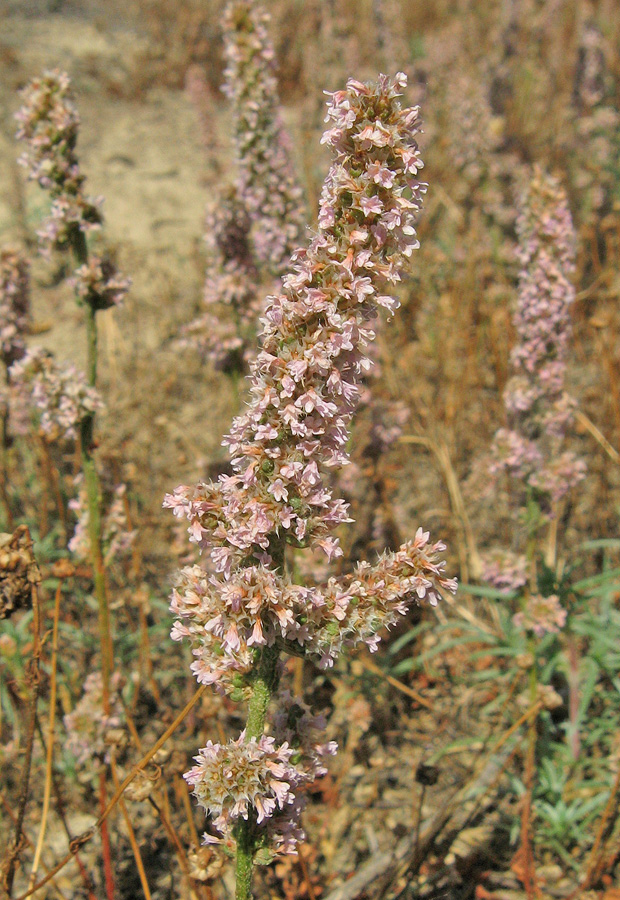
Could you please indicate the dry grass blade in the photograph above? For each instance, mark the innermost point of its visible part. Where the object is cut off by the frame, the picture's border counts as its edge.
(598, 435)
(404, 688)
(49, 756)
(132, 837)
(468, 552)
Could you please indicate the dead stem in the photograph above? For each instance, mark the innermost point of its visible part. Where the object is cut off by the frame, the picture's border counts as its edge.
(598, 847)
(306, 875)
(51, 476)
(105, 839)
(525, 853)
(49, 755)
(573, 692)
(404, 688)
(88, 882)
(34, 678)
(551, 549)
(4, 468)
(164, 815)
(131, 835)
(30, 844)
(598, 435)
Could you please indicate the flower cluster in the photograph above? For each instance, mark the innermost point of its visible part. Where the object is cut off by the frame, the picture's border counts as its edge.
(90, 730)
(117, 537)
(542, 615)
(295, 724)
(304, 381)
(225, 618)
(538, 406)
(226, 331)
(505, 570)
(14, 304)
(49, 123)
(593, 128)
(487, 171)
(470, 132)
(267, 186)
(99, 284)
(61, 396)
(305, 386)
(589, 86)
(231, 779)
(264, 774)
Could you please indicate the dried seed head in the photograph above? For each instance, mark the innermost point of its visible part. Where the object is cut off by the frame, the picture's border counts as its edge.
(18, 571)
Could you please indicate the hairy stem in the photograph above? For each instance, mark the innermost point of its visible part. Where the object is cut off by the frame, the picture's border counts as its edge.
(264, 683)
(93, 495)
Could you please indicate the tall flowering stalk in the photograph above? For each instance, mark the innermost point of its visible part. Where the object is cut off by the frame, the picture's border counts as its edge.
(14, 304)
(49, 126)
(539, 412)
(538, 406)
(226, 331)
(304, 390)
(14, 315)
(60, 396)
(254, 226)
(266, 184)
(593, 129)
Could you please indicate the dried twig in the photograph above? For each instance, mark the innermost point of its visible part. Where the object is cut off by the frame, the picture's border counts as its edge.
(7, 873)
(404, 688)
(598, 435)
(86, 836)
(132, 836)
(49, 756)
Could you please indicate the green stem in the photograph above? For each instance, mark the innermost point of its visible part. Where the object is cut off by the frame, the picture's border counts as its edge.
(263, 686)
(91, 345)
(93, 491)
(244, 834)
(264, 682)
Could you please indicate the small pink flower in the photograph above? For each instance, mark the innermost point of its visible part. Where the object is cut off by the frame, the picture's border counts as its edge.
(278, 490)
